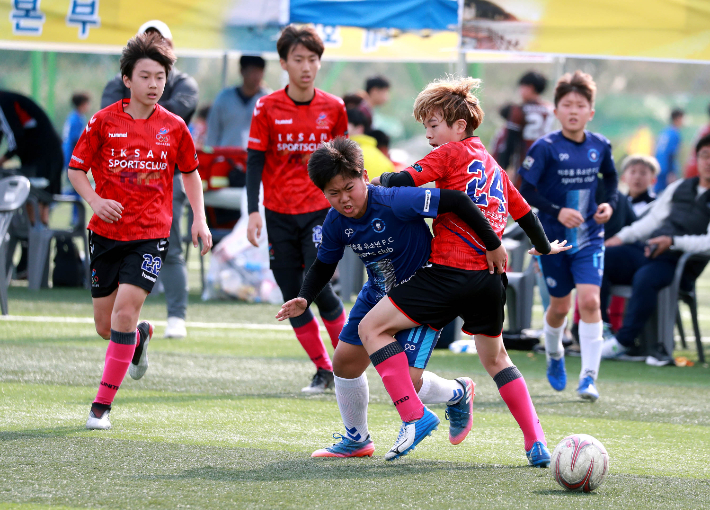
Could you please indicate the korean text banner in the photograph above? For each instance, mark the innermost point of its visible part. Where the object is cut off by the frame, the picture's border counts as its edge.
(645, 29)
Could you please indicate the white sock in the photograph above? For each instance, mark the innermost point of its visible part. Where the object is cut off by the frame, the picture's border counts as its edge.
(553, 339)
(590, 343)
(437, 390)
(352, 396)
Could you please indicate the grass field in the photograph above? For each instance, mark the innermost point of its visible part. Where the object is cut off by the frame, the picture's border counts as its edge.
(219, 422)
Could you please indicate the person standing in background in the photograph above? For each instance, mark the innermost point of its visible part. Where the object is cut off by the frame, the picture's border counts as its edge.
(691, 168)
(230, 117)
(667, 150)
(180, 98)
(73, 127)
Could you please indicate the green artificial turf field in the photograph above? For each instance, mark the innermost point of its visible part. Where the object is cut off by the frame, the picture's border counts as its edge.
(219, 422)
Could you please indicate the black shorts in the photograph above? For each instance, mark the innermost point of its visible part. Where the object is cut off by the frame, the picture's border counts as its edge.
(134, 262)
(294, 238)
(437, 294)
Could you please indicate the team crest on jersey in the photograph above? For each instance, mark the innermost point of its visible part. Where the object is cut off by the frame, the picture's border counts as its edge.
(162, 136)
(322, 121)
(349, 232)
(528, 162)
(417, 167)
(593, 155)
(378, 225)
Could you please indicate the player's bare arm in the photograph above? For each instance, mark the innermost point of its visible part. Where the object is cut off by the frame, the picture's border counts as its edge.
(254, 226)
(193, 190)
(555, 248)
(292, 308)
(108, 210)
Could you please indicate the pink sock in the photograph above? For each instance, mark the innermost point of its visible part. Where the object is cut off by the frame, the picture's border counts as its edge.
(118, 357)
(334, 327)
(517, 398)
(309, 337)
(394, 371)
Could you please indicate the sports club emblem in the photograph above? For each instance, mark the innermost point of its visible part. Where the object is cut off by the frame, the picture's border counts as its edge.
(528, 162)
(378, 225)
(322, 121)
(317, 235)
(349, 232)
(417, 167)
(593, 155)
(163, 136)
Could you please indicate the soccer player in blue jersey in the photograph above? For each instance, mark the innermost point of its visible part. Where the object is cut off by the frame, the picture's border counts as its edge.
(560, 178)
(386, 229)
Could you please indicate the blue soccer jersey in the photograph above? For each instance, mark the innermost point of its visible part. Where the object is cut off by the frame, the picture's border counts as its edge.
(565, 173)
(392, 239)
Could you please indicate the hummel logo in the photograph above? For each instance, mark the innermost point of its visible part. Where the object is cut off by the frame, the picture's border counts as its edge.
(457, 396)
(284, 121)
(353, 433)
(118, 135)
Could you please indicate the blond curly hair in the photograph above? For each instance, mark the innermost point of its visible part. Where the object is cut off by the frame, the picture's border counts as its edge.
(453, 97)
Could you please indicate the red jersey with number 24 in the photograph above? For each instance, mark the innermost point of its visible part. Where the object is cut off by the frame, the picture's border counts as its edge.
(289, 133)
(132, 162)
(467, 166)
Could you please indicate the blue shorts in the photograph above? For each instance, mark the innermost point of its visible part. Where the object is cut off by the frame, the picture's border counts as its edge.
(418, 343)
(565, 270)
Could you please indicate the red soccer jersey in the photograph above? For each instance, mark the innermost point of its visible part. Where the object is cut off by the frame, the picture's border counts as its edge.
(467, 166)
(133, 161)
(289, 133)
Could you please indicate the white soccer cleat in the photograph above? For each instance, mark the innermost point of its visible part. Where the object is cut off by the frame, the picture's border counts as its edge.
(139, 363)
(322, 380)
(175, 328)
(411, 433)
(94, 423)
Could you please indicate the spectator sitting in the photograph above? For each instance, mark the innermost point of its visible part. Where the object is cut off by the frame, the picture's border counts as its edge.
(667, 150)
(376, 163)
(691, 169)
(230, 117)
(676, 222)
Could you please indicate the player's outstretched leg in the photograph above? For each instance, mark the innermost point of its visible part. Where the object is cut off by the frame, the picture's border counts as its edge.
(139, 363)
(458, 395)
(555, 354)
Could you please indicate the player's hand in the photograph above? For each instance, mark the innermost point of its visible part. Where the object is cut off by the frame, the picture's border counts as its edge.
(497, 260)
(555, 248)
(254, 228)
(375, 181)
(603, 214)
(292, 308)
(201, 230)
(108, 210)
(570, 218)
(657, 245)
(613, 241)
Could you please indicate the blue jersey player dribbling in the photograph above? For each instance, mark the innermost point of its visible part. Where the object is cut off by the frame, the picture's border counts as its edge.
(559, 177)
(386, 229)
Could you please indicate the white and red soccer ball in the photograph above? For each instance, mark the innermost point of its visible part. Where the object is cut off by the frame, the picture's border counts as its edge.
(579, 463)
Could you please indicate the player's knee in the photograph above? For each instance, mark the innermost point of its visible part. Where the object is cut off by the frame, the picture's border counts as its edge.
(589, 304)
(558, 309)
(365, 331)
(123, 318)
(104, 330)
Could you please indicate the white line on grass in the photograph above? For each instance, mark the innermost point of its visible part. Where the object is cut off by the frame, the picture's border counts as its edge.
(203, 325)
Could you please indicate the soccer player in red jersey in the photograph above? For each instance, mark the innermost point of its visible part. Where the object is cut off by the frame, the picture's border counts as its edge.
(287, 126)
(131, 147)
(458, 280)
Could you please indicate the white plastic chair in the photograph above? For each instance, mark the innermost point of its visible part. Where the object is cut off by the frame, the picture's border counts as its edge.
(14, 191)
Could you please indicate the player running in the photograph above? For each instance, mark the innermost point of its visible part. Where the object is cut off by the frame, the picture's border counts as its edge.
(287, 126)
(560, 179)
(386, 229)
(131, 148)
(457, 281)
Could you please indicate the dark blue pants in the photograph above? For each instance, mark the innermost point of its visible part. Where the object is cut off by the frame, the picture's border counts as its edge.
(627, 265)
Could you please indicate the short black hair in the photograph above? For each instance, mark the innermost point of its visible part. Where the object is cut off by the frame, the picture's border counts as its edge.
(80, 98)
(204, 111)
(150, 45)
(291, 37)
(357, 117)
(677, 112)
(340, 156)
(251, 61)
(352, 100)
(703, 142)
(376, 82)
(383, 139)
(536, 80)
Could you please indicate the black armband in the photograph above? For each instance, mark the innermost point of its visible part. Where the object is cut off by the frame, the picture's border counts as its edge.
(316, 279)
(533, 228)
(255, 167)
(460, 204)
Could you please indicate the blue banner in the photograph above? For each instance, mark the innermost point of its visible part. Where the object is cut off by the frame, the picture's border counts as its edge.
(400, 14)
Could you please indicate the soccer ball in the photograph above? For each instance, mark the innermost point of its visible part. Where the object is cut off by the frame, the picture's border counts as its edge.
(579, 463)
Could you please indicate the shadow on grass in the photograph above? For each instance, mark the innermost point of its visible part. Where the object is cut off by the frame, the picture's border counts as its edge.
(563, 492)
(14, 435)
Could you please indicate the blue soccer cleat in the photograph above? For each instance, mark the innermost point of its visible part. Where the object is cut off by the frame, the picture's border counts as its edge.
(411, 433)
(460, 414)
(538, 455)
(556, 373)
(587, 389)
(347, 448)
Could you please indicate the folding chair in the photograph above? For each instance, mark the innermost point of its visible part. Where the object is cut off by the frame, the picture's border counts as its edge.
(13, 194)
